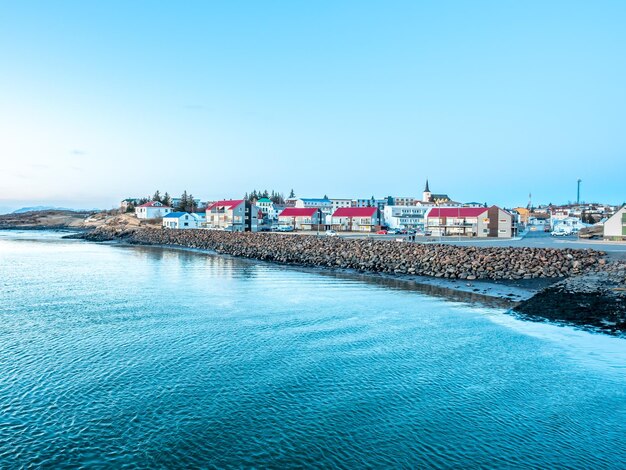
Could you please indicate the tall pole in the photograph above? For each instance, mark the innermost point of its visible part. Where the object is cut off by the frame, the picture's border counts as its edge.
(578, 192)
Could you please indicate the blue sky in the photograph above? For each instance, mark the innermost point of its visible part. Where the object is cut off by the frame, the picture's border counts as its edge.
(490, 100)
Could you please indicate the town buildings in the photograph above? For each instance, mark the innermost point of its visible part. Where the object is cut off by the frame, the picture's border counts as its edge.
(302, 218)
(237, 215)
(438, 199)
(568, 224)
(339, 203)
(323, 204)
(357, 219)
(371, 202)
(470, 221)
(152, 210)
(129, 202)
(182, 220)
(406, 217)
(266, 205)
(615, 226)
(404, 201)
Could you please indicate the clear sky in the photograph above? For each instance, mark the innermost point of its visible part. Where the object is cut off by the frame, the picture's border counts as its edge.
(490, 100)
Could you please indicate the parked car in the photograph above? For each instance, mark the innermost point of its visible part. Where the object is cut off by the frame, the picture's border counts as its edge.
(331, 233)
(560, 233)
(284, 228)
(381, 232)
(393, 231)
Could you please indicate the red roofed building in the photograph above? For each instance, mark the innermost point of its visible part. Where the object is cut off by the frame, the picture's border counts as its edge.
(300, 218)
(237, 215)
(470, 221)
(152, 210)
(357, 219)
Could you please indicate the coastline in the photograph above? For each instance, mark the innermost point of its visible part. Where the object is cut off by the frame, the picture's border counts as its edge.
(570, 301)
(523, 299)
(486, 292)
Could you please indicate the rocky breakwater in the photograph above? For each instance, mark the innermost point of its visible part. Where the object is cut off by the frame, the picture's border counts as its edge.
(596, 299)
(436, 260)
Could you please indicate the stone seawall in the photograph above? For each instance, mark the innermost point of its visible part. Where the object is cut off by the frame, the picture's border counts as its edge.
(436, 260)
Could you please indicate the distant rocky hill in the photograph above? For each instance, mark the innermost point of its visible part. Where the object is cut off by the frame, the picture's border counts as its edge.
(44, 219)
(39, 208)
(49, 208)
(71, 219)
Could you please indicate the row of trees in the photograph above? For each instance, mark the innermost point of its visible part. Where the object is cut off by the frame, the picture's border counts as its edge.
(275, 196)
(186, 202)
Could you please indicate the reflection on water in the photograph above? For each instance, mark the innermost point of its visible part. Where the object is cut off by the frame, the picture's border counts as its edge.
(149, 357)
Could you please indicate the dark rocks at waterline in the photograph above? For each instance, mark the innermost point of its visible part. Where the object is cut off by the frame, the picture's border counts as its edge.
(436, 260)
(594, 299)
(103, 235)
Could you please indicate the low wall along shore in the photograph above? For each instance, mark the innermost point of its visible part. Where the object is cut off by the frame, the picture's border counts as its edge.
(437, 260)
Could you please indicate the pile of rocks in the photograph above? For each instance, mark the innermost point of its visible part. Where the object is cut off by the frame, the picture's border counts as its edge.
(594, 299)
(437, 260)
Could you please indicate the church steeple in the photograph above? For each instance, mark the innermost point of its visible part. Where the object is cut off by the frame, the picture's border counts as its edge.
(427, 194)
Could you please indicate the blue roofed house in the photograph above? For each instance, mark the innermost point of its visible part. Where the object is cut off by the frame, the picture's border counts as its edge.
(182, 220)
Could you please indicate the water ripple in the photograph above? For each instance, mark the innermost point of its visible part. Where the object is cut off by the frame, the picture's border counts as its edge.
(150, 358)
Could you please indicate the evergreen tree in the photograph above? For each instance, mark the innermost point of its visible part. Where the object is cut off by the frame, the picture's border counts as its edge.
(325, 196)
(166, 200)
(157, 196)
(184, 201)
(292, 194)
(143, 200)
(191, 204)
(265, 194)
(277, 198)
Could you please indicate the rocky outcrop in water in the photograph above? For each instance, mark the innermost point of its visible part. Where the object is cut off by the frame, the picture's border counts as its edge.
(594, 299)
(437, 260)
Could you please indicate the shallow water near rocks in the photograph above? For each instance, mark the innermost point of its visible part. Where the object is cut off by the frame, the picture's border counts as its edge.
(149, 357)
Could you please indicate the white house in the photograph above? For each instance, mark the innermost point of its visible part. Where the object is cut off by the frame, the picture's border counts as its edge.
(267, 207)
(182, 220)
(569, 224)
(615, 226)
(152, 210)
(409, 217)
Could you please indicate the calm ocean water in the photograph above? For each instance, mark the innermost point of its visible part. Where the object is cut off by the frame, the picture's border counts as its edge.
(116, 356)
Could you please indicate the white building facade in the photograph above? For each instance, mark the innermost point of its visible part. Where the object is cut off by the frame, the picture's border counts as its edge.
(615, 226)
(405, 217)
(182, 220)
(152, 210)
